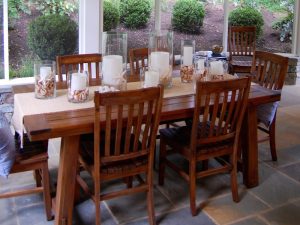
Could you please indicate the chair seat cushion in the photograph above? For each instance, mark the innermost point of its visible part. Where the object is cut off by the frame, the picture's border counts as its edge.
(87, 153)
(266, 113)
(179, 137)
(31, 152)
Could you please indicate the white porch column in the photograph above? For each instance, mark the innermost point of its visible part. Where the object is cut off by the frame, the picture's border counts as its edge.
(157, 14)
(90, 26)
(296, 30)
(225, 26)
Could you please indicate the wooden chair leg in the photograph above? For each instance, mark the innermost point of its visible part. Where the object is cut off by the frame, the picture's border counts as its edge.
(162, 162)
(46, 193)
(129, 181)
(234, 186)
(38, 178)
(97, 204)
(272, 140)
(150, 206)
(205, 164)
(192, 185)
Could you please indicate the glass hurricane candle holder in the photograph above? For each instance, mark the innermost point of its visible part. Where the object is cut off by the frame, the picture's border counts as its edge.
(78, 86)
(187, 66)
(44, 76)
(149, 78)
(161, 55)
(217, 69)
(114, 60)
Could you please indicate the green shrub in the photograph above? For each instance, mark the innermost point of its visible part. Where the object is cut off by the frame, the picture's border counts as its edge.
(23, 70)
(111, 14)
(61, 7)
(15, 7)
(135, 13)
(188, 16)
(247, 16)
(52, 35)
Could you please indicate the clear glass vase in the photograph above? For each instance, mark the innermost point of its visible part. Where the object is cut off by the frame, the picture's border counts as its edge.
(161, 55)
(186, 65)
(44, 76)
(114, 60)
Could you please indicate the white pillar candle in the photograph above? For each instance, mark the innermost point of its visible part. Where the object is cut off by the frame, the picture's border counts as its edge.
(159, 61)
(45, 71)
(200, 64)
(78, 81)
(187, 55)
(112, 68)
(216, 68)
(151, 78)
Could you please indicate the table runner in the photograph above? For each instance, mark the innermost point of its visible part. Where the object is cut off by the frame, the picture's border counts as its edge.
(27, 104)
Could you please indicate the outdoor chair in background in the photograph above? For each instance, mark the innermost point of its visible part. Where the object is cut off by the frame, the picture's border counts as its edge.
(269, 70)
(214, 133)
(241, 45)
(125, 127)
(88, 62)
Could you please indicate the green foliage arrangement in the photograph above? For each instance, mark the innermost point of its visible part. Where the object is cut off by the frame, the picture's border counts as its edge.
(135, 13)
(247, 16)
(111, 14)
(61, 7)
(52, 35)
(188, 16)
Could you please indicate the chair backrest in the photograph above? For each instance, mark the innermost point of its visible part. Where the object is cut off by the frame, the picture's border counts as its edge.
(138, 59)
(130, 127)
(89, 62)
(219, 109)
(241, 40)
(270, 69)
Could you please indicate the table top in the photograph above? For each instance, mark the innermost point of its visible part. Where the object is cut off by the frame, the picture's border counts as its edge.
(80, 121)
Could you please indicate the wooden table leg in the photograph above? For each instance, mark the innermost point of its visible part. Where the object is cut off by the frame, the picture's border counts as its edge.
(66, 180)
(250, 148)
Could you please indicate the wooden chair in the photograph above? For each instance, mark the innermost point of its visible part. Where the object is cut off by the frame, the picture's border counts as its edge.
(89, 62)
(214, 133)
(270, 70)
(241, 45)
(138, 58)
(32, 157)
(124, 144)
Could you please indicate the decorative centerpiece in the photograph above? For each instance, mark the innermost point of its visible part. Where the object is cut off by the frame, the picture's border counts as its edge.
(161, 55)
(114, 60)
(187, 67)
(217, 50)
(217, 69)
(78, 86)
(44, 76)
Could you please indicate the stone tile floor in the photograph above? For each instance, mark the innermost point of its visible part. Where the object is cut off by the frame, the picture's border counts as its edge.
(276, 201)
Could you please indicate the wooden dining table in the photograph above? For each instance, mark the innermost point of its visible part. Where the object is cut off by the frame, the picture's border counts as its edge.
(70, 124)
